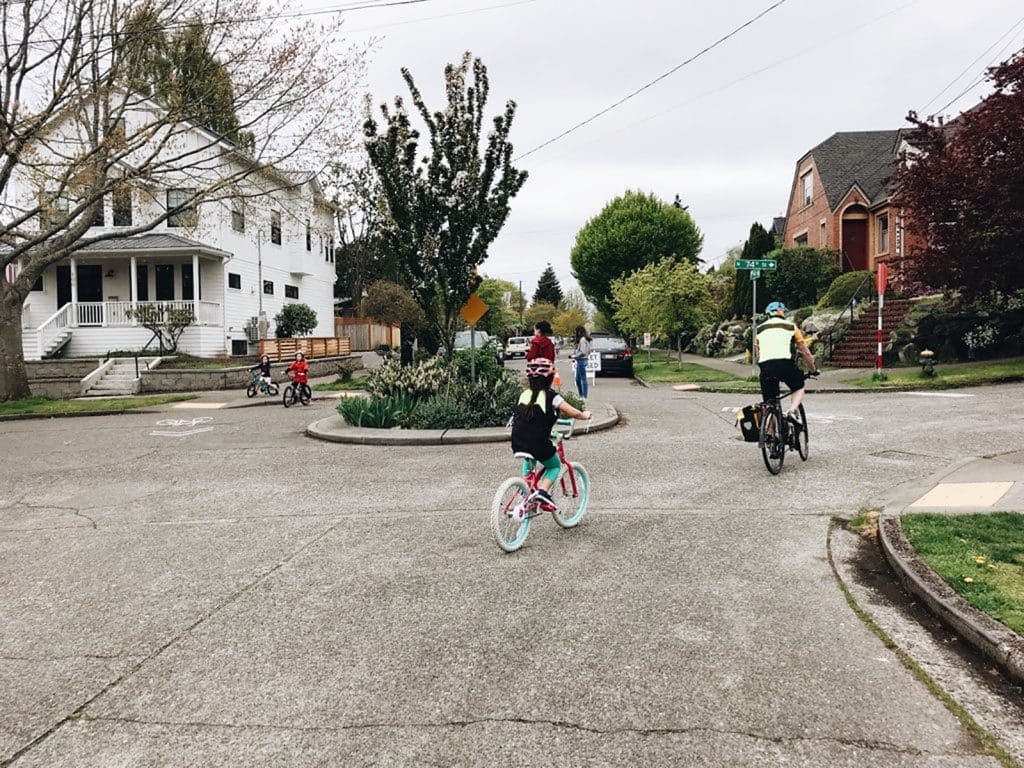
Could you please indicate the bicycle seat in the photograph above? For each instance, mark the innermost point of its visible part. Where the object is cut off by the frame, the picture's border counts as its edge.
(524, 455)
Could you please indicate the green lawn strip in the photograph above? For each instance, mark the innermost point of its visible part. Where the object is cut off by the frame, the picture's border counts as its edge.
(948, 376)
(667, 371)
(340, 386)
(981, 556)
(44, 406)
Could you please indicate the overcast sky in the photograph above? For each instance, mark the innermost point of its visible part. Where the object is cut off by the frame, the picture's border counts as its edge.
(723, 132)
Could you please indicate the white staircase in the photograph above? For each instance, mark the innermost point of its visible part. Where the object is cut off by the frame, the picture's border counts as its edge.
(117, 380)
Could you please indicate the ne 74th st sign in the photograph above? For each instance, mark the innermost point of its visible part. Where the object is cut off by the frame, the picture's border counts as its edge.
(755, 264)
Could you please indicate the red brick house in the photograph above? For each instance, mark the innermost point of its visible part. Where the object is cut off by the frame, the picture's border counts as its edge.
(839, 200)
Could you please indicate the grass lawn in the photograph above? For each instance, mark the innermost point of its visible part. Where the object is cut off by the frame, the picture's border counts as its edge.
(341, 386)
(667, 370)
(45, 406)
(949, 375)
(981, 556)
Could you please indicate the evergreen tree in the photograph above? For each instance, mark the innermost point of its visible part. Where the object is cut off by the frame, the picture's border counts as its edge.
(759, 242)
(548, 289)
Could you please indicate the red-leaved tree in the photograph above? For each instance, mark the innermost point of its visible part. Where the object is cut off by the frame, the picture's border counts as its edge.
(963, 188)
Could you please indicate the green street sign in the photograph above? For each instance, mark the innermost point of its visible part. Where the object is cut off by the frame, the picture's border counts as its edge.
(755, 264)
(755, 273)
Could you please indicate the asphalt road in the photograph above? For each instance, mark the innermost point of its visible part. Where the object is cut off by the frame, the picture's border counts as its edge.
(230, 592)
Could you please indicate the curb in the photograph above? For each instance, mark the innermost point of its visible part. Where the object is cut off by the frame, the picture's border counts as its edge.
(333, 429)
(74, 415)
(1001, 644)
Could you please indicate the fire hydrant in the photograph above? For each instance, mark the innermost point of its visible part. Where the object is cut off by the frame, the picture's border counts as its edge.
(927, 358)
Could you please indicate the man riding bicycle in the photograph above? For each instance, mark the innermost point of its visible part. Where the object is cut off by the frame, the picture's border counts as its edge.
(775, 339)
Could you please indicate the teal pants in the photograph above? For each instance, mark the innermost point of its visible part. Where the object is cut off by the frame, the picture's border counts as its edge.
(552, 468)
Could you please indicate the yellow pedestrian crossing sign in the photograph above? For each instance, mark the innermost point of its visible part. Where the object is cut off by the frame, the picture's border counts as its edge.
(473, 309)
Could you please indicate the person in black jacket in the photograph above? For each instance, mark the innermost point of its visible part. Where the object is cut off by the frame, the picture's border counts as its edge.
(263, 366)
(407, 349)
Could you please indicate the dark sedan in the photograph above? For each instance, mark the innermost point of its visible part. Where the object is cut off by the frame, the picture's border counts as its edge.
(616, 355)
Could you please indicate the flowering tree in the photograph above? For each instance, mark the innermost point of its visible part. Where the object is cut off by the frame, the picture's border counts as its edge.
(964, 192)
(79, 125)
(444, 210)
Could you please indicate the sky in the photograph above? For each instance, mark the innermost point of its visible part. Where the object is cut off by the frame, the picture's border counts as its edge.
(723, 132)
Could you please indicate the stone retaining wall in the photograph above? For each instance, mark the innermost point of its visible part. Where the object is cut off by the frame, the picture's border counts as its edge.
(57, 369)
(57, 387)
(161, 379)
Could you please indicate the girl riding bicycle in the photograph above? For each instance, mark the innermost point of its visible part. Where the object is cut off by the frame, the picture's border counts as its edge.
(535, 415)
(263, 366)
(299, 370)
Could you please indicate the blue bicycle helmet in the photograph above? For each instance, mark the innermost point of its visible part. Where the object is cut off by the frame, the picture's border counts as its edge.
(775, 306)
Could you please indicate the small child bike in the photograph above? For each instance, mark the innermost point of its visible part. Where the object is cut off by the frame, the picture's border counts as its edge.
(513, 509)
(259, 385)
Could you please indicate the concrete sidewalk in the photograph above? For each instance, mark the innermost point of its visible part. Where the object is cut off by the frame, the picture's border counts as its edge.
(832, 380)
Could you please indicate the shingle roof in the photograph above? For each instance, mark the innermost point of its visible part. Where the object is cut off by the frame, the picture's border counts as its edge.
(864, 158)
(153, 241)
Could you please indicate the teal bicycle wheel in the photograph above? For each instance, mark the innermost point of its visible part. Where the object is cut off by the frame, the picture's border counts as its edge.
(571, 494)
(509, 519)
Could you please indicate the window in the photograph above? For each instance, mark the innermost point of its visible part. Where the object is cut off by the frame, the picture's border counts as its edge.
(38, 284)
(234, 281)
(142, 282)
(181, 212)
(165, 282)
(121, 205)
(807, 181)
(291, 291)
(53, 211)
(800, 241)
(309, 237)
(329, 250)
(239, 347)
(237, 216)
(268, 287)
(275, 227)
(332, 250)
(883, 233)
(823, 236)
(188, 290)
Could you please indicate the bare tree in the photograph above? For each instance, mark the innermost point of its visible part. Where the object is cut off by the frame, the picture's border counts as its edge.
(76, 128)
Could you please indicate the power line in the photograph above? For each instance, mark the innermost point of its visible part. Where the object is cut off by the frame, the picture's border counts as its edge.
(978, 81)
(656, 80)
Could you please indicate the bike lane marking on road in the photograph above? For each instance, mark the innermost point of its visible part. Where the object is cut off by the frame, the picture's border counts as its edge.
(937, 394)
(182, 423)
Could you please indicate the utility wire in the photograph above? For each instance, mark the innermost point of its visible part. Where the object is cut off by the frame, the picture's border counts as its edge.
(656, 80)
(978, 81)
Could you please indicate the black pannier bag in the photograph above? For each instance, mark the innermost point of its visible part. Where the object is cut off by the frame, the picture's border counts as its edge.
(748, 420)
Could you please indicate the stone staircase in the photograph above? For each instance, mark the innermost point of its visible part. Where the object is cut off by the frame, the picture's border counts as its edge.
(859, 347)
(118, 380)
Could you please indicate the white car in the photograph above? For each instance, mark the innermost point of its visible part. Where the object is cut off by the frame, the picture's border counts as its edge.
(480, 340)
(517, 346)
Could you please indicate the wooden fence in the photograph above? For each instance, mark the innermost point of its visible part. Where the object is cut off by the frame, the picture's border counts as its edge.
(310, 346)
(367, 334)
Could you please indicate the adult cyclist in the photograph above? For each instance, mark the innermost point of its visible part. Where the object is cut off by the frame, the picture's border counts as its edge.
(775, 339)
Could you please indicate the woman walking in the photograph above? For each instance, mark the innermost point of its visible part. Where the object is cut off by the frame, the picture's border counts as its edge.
(580, 355)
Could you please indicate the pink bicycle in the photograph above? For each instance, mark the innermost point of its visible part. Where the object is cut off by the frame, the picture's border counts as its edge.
(511, 513)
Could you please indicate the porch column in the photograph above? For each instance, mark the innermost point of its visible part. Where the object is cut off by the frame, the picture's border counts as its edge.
(133, 289)
(195, 287)
(74, 292)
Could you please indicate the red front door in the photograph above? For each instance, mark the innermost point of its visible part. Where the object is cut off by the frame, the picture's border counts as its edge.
(855, 244)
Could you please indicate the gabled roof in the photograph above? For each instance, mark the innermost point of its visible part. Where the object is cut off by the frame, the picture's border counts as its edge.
(864, 158)
(154, 241)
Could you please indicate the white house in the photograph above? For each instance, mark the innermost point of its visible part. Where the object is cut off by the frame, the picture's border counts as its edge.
(234, 260)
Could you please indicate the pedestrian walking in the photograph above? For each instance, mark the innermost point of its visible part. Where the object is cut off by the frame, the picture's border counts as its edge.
(408, 351)
(580, 356)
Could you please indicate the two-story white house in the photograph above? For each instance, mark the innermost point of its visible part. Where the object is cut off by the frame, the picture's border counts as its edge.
(234, 260)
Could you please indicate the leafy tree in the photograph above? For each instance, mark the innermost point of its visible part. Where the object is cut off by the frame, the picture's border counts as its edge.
(389, 302)
(601, 324)
(72, 130)
(295, 320)
(802, 275)
(758, 244)
(164, 322)
(548, 289)
(443, 213)
(722, 284)
(964, 192)
(574, 299)
(501, 318)
(565, 321)
(630, 232)
(536, 313)
(665, 298)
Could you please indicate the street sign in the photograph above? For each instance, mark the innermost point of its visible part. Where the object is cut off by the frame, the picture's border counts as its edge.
(755, 273)
(593, 362)
(756, 264)
(647, 339)
(473, 309)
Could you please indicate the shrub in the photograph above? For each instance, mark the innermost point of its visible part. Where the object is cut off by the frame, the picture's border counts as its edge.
(802, 314)
(842, 289)
(417, 381)
(377, 412)
(487, 366)
(803, 274)
(441, 413)
(572, 399)
(295, 320)
(346, 369)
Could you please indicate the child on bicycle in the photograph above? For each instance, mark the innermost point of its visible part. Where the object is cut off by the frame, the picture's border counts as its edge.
(538, 410)
(299, 370)
(263, 366)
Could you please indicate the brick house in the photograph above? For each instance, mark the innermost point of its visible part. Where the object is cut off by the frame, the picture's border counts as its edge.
(839, 200)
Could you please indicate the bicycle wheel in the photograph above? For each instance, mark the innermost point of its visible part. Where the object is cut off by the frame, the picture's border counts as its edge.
(289, 396)
(570, 506)
(250, 391)
(272, 390)
(802, 438)
(771, 440)
(509, 529)
(305, 393)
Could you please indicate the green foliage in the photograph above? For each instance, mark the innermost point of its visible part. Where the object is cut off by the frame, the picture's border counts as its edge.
(565, 321)
(389, 302)
(346, 369)
(630, 232)
(417, 381)
(801, 314)
(843, 288)
(376, 412)
(501, 318)
(665, 298)
(164, 321)
(548, 290)
(535, 314)
(572, 399)
(443, 213)
(441, 413)
(803, 275)
(487, 366)
(758, 244)
(988, 327)
(601, 323)
(294, 320)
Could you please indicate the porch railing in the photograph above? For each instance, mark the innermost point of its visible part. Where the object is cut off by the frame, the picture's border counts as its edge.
(119, 313)
(51, 328)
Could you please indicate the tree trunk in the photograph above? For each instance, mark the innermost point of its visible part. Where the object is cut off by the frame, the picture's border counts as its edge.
(13, 375)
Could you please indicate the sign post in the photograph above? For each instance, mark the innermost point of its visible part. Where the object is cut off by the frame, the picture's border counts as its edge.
(647, 343)
(755, 266)
(471, 312)
(882, 279)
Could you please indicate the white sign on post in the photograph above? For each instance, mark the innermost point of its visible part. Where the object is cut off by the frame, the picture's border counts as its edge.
(647, 339)
(594, 362)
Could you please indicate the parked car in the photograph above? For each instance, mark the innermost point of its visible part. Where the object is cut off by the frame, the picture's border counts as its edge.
(616, 355)
(483, 339)
(517, 346)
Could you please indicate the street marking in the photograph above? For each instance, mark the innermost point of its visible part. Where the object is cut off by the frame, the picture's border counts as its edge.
(201, 405)
(184, 422)
(937, 394)
(157, 433)
(963, 495)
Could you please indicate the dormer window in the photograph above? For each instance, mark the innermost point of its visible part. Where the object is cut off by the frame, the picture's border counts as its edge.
(807, 184)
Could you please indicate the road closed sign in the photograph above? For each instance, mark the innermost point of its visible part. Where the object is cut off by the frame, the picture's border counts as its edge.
(594, 362)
